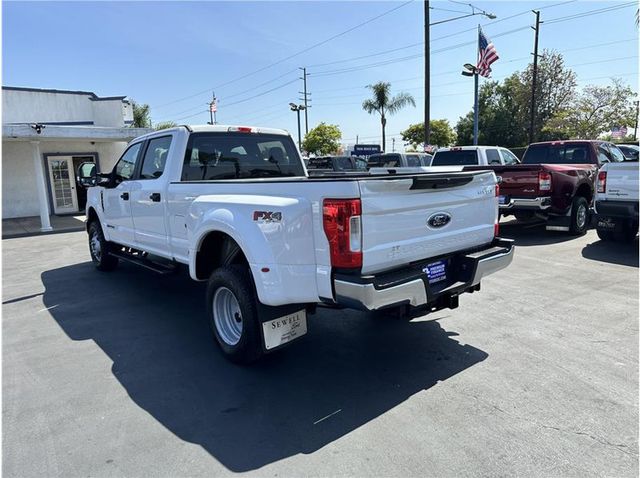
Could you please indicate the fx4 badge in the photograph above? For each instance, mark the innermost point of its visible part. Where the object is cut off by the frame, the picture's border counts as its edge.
(267, 216)
(439, 219)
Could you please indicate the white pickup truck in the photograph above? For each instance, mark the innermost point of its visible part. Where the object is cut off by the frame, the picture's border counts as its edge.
(236, 205)
(616, 202)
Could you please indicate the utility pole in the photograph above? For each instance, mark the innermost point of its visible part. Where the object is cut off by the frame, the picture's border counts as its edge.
(427, 74)
(393, 145)
(305, 96)
(356, 139)
(534, 79)
(213, 107)
(635, 128)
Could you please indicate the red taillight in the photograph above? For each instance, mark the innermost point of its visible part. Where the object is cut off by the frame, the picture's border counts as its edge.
(497, 190)
(341, 221)
(602, 182)
(544, 181)
(496, 225)
(240, 129)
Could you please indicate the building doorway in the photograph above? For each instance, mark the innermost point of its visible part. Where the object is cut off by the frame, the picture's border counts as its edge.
(66, 195)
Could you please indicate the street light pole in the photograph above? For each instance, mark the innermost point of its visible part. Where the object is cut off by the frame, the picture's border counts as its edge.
(427, 75)
(471, 70)
(297, 109)
(427, 66)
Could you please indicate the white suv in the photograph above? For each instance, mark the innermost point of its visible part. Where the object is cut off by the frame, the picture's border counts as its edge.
(474, 156)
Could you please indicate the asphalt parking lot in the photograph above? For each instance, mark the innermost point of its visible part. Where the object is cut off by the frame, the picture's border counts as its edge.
(116, 374)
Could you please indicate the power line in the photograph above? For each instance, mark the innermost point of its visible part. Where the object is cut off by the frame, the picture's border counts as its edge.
(300, 52)
(589, 13)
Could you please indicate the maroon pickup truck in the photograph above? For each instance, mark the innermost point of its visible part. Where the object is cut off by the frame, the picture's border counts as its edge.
(556, 182)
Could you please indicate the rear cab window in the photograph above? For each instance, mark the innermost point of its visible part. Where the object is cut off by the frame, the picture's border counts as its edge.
(561, 153)
(455, 157)
(217, 156)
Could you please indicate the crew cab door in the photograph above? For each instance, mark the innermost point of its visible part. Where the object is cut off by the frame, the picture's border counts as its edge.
(118, 223)
(147, 197)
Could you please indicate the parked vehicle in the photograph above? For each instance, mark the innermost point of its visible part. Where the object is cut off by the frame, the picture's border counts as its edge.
(555, 182)
(616, 203)
(399, 160)
(631, 151)
(324, 164)
(474, 156)
(235, 204)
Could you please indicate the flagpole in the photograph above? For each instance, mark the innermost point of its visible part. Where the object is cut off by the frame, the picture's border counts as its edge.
(475, 97)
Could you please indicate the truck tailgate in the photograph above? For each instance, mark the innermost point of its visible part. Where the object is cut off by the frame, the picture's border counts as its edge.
(622, 181)
(520, 180)
(423, 216)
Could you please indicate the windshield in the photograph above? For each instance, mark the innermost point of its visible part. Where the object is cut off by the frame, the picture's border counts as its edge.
(455, 157)
(557, 154)
(212, 156)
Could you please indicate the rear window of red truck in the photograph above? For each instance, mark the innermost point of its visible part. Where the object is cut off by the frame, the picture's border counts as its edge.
(557, 154)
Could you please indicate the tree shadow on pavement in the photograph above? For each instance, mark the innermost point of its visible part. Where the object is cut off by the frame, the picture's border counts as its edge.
(532, 234)
(624, 254)
(350, 369)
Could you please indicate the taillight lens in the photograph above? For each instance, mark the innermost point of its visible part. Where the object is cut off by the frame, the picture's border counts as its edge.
(496, 225)
(343, 228)
(602, 182)
(544, 181)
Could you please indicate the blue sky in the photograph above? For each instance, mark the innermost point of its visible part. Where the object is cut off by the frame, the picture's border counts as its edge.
(170, 54)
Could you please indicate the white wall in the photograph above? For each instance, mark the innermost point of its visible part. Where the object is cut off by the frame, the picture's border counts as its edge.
(45, 107)
(19, 190)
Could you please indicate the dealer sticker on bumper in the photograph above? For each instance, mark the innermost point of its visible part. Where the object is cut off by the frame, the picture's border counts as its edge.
(436, 272)
(284, 329)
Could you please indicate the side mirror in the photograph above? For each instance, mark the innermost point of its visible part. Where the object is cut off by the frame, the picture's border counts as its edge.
(87, 175)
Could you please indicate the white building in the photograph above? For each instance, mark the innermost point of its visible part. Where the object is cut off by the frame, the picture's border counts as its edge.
(46, 134)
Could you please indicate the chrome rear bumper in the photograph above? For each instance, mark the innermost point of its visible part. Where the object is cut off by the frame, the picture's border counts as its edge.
(411, 287)
(540, 203)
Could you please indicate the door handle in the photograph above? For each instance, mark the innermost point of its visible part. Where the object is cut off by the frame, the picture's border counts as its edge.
(125, 196)
(155, 197)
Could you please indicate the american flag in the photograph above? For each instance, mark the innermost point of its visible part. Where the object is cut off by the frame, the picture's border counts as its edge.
(619, 132)
(213, 106)
(487, 54)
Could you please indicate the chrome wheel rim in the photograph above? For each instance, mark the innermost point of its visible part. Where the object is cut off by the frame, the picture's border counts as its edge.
(227, 316)
(94, 245)
(581, 216)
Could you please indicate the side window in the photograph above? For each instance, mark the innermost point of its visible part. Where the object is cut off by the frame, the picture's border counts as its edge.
(493, 157)
(155, 158)
(508, 157)
(616, 153)
(127, 164)
(603, 154)
(360, 163)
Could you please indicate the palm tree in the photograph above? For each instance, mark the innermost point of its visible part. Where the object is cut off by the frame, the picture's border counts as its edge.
(383, 104)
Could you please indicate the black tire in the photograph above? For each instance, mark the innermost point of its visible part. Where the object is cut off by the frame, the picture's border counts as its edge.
(605, 235)
(241, 347)
(579, 216)
(100, 249)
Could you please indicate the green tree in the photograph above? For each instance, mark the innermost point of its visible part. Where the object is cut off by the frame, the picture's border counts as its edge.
(141, 115)
(441, 133)
(165, 125)
(383, 104)
(505, 107)
(597, 110)
(323, 139)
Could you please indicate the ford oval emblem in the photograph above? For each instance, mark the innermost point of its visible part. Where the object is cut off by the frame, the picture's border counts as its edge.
(439, 219)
